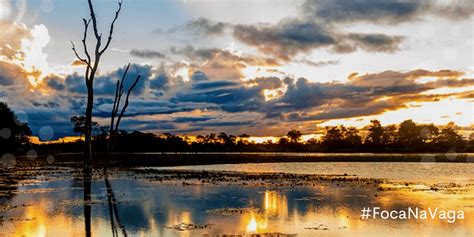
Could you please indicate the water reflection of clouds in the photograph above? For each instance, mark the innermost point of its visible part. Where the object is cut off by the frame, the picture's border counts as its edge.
(146, 208)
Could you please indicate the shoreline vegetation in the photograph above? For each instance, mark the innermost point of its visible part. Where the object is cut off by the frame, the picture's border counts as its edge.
(208, 158)
(407, 137)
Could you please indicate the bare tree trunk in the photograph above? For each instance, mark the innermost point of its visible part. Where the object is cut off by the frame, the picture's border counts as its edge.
(92, 64)
(88, 125)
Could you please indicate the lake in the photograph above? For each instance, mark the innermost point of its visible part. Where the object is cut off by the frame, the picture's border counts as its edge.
(49, 201)
(427, 172)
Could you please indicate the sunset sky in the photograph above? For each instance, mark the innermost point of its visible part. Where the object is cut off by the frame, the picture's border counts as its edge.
(259, 67)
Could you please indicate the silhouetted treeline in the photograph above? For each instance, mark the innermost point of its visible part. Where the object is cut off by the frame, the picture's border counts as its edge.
(406, 137)
(14, 135)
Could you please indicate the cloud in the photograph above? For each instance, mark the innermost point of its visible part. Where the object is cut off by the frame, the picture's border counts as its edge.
(369, 42)
(221, 102)
(290, 37)
(55, 82)
(227, 123)
(221, 64)
(286, 38)
(384, 12)
(12, 74)
(318, 63)
(206, 85)
(204, 26)
(11, 41)
(393, 78)
(146, 53)
(368, 94)
(392, 11)
(104, 84)
(160, 82)
(192, 119)
(199, 76)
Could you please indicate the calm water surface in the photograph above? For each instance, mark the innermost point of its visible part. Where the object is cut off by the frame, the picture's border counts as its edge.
(428, 172)
(143, 207)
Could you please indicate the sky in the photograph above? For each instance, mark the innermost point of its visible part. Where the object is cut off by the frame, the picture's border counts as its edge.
(259, 67)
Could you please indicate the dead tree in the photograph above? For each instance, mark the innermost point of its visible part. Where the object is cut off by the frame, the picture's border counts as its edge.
(91, 59)
(114, 125)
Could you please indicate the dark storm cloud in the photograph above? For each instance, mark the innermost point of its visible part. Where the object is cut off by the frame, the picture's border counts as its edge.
(145, 53)
(390, 11)
(286, 38)
(300, 100)
(199, 76)
(214, 84)
(104, 84)
(75, 83)
(227, 123)
(384, 12)
(57, 118)
(55, 82)
(229, 96)
(144, 71)
(160, 82)
(193, 119)
(291, 37)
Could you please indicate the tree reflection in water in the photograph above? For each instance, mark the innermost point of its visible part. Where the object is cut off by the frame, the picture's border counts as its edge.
(113, 211)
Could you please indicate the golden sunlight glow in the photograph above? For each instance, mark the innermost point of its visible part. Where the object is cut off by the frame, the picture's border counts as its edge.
(263, 139)
(275, 204)
(183, 72)
(251, 72)
(459, 111)
(272, 94)
(35, 58)
(36, 140)
(252, 225)
(423, 80)
(448, 90)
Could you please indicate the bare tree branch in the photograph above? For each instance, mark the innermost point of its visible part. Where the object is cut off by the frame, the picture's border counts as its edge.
(84, 39)
(112, 27)
(126, 102)
(118, 96)
(77, 54)
(94, 20)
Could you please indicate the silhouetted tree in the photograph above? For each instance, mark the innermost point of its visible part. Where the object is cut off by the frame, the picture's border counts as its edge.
(428, 132)
(334, 137)
(283, 142)
(79, 125)
(14, 134)
(409, 134)
(294, 135)
(227, 140)
(375, 135)
(352, 139)
(449, 138)
(92, 65)
(243, 139)
(389, 136)
(114, 125)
